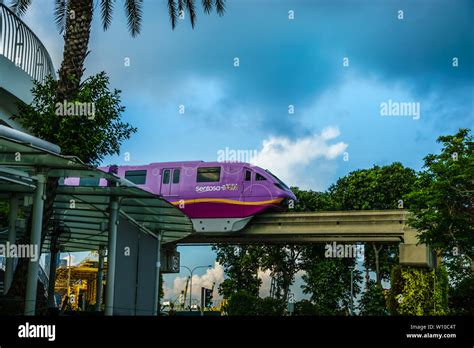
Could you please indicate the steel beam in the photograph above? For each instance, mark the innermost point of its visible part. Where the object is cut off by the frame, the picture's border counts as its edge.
(33, 267)
(12, 217)
(98, 286)
(111, 256)
(156, 303)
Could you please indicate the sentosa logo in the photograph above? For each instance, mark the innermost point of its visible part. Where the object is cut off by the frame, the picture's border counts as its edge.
(226, 187)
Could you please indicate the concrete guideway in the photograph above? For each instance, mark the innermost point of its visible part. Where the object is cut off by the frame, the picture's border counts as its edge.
(328, 226)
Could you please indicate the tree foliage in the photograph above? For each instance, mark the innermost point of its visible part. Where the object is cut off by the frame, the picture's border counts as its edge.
(375, 188)
(305, 308)
(373, 300)
(442, 202)
(328, 280)
(243, 303)
(90, 138)
(241, 264)
(419, 291)
(461, 298)
(283, 261)
(309, 200)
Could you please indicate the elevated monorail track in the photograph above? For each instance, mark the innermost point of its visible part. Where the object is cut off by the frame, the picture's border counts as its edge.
(310, 227)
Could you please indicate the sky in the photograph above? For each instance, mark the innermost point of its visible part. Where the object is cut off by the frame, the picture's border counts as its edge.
(300, 83)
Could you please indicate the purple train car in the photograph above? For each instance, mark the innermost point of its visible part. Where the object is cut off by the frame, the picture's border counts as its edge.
(217, 196)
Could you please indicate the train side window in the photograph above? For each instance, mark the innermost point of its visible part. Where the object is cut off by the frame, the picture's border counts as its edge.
(87, 181)
(136, 176)
(166, 176)
(208, 174)
(259, 177)
(176, 173)
(248, 175)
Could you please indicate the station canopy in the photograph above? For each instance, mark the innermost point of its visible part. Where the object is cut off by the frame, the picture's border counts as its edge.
(82, 210)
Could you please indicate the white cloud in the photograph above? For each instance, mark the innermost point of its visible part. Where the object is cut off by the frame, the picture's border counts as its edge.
(71, 260)
(295, 289)
(264, 290)
(287, 158)
(212, 275)
(216, 274)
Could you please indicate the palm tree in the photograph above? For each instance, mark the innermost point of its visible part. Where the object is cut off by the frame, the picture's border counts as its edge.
(73, 19)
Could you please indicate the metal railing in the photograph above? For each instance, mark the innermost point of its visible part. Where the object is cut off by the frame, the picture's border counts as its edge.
(21, 46)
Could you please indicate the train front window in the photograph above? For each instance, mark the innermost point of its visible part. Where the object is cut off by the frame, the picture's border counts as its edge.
(136, 176)
(166, 176)
(208, 174)
(259, 177)
(248, 175)
(278, 180)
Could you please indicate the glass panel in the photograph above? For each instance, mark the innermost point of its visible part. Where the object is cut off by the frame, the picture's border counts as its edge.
(136, 176)
(89, 181)
(176, 176)
(166, 176)
(248, 175)
(210, 174)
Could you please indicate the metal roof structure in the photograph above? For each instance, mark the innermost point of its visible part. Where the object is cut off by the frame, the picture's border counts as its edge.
(88, 212)
(84, 209)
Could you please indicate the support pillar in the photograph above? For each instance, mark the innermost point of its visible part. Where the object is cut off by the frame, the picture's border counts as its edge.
(411, 253)
(100, 275)
(52, 272)
(33, 267)
(111, 256)
(156, 305)
(12, 217)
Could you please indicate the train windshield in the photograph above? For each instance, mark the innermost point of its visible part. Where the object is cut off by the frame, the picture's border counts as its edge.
(278, 180)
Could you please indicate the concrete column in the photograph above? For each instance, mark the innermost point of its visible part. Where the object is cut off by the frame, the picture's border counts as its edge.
(33, 267)
(100, 275)
(413, 254)
(12, 217)
(111, 256)
(156, 305)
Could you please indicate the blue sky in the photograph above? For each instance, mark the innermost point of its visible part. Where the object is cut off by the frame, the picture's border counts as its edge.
(286, 62)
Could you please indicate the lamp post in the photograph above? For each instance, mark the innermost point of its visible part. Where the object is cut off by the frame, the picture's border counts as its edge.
(191, 271)
(352, 289)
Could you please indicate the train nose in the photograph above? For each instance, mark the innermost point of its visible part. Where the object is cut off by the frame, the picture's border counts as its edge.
(291, 196)
(290, 200)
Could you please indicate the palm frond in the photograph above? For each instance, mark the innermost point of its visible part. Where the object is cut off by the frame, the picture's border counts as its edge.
(106, 10)
(220, 7)
(190, 6)
(207, 6)
(172, 13)
(133, 10)
(19, 7)
(180, 6)
(60, 14)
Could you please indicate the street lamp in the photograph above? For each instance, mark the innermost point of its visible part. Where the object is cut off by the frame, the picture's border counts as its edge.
(191, 281)
(352, 289)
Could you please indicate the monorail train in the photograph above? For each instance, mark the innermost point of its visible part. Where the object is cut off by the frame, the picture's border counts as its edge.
(216, 196)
